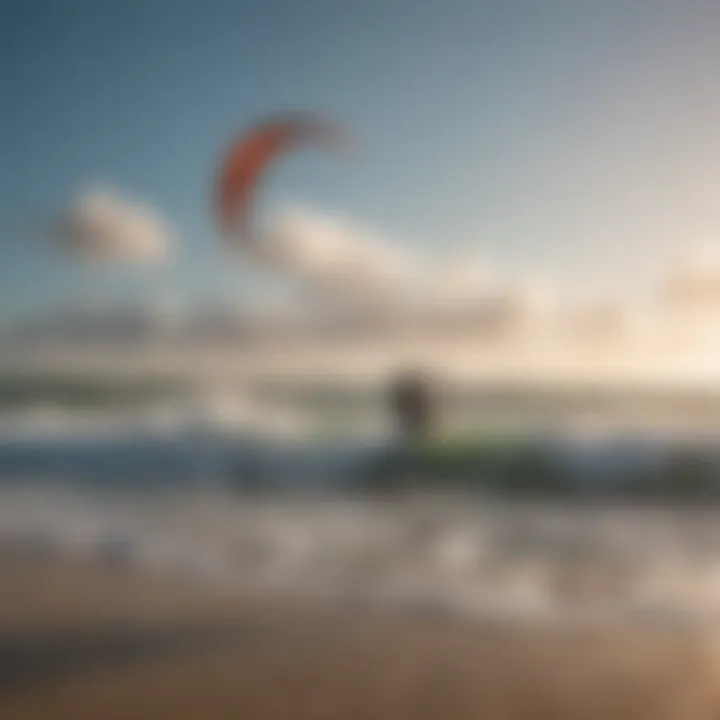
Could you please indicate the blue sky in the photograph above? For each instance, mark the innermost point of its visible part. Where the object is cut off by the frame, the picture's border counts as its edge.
(574, 137)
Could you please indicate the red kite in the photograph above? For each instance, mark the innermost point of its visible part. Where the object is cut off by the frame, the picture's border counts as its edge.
(250, 156)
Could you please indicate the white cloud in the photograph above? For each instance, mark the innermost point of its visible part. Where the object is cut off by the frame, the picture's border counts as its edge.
(694, 279)
(599, 320)
(464, 280)
(101, 225)
(335, 256)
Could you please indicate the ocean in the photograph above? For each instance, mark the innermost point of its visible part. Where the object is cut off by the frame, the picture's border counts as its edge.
(158, 488)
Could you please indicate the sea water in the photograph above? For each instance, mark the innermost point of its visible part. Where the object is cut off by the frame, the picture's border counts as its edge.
(158, 491)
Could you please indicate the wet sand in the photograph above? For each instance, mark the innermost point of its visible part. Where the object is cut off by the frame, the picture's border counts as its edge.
(81, 640)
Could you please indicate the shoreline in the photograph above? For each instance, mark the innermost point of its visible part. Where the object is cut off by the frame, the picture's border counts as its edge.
(98, 641)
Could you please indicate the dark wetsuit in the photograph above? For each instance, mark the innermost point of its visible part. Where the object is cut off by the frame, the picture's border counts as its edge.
(411, 404)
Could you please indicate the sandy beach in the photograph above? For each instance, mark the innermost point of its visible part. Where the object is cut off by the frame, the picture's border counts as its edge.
(82, 640)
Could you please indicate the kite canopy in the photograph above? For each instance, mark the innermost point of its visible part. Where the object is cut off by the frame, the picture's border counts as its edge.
(250, 156)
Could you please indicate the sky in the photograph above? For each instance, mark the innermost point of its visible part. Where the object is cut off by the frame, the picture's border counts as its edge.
(577, 139)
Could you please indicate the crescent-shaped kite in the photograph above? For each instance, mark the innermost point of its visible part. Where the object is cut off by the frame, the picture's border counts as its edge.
(250, 156)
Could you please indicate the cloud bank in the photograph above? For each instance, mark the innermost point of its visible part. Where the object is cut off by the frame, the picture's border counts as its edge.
(364, 290)
(347, 265)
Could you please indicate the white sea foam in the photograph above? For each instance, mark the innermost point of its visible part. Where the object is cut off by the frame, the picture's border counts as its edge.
(474, 556)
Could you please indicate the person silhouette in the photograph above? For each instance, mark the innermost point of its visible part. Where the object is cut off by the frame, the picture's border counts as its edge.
(411, 404)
